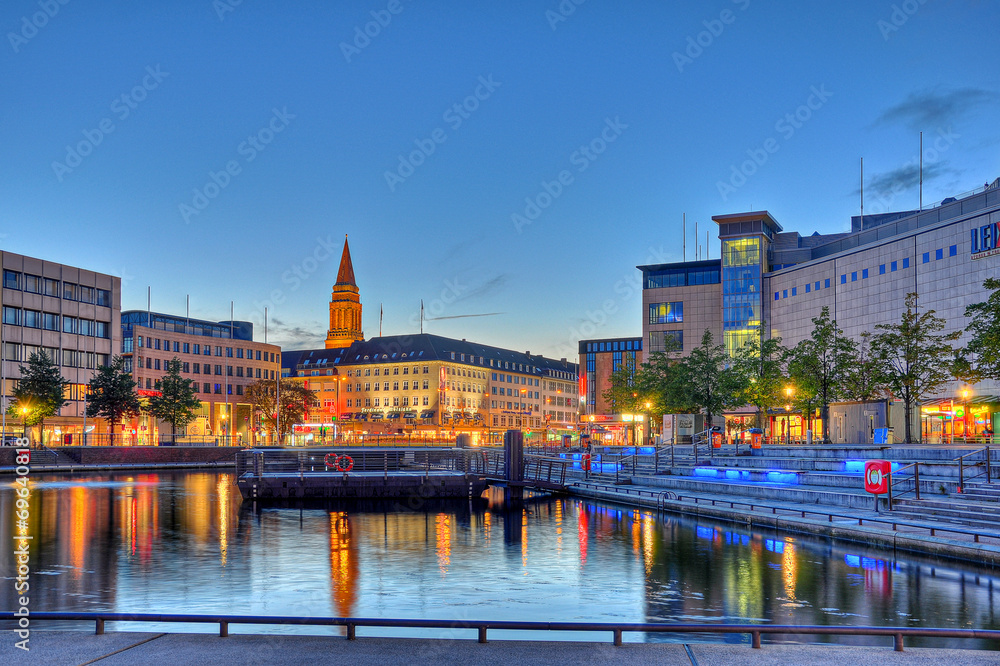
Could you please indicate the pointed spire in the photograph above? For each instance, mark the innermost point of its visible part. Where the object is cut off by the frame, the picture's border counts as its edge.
(346, 273)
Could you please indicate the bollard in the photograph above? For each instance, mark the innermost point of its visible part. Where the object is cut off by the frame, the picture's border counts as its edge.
(755, 639)
(223, 629)
(100, 627)
(898, 642)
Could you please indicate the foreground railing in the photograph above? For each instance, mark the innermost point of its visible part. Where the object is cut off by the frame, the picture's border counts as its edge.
(483, 626)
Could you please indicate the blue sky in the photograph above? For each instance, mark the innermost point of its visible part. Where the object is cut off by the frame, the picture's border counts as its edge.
(218, 149)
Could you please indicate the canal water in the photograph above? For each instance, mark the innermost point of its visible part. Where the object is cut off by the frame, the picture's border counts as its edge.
(187, 543)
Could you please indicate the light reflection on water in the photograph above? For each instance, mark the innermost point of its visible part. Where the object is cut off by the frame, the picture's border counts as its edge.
(187, 543)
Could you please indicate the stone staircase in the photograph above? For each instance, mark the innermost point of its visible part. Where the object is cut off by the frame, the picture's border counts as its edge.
(977, 506)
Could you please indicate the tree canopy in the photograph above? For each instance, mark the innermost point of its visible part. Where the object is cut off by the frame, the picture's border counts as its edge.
(177, 403)
(983, 350)
(40, 391)
(295, 398)
(112, 394)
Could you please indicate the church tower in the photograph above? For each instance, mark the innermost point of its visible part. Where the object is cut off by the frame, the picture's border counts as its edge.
(345, 306)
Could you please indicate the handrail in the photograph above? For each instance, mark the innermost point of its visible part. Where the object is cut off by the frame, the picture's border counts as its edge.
(892, 484)
(830, 515)
(962, 465)
(756, 631)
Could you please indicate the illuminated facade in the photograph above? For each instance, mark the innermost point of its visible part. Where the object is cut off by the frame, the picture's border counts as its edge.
(345, 306)
(783, 280)
(599, 359)
(221, 358)
(428, 386)
(71, 314)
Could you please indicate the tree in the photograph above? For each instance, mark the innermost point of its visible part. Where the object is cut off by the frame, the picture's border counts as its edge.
(705, 378)
(177, 403)
(862, 379)
(759, 365)
(295, 398)
(820, 362)
(984, 329)
(916, 358)
(39, 393)
(112, 394)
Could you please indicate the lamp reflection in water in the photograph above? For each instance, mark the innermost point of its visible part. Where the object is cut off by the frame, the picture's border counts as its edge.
(344, 567)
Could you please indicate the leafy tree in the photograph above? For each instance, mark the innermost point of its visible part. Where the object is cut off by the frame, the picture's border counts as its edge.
(112, 394)
(705, 378)
(984, 329)
(177, 403)
(820, 363)
(862, 379)
(295, 398)
(40, 392)
(803, 392)
(623, 393)
(759, 365)
(916, 358)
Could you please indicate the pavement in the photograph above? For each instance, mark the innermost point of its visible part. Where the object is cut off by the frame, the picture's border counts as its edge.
(121, 648)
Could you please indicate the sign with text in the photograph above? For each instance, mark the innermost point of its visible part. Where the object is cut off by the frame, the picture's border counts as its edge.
(877, 476)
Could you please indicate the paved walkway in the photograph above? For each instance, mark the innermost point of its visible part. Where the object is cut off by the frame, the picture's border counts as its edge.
(115, 649)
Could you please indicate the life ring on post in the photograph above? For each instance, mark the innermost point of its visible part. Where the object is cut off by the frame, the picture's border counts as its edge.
(328, 462)
(586, 462)
(342, 467)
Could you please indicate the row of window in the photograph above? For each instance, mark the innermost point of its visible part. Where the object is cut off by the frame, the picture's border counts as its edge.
(395, 371)
(396, 402)
(512, 392)
(52, 322)
(206, 387)
(36, 284)
(680, 277)
(494, 404)
(67, 358)
(613, 345)
(196, 348)
(455, 356)
(500, 377)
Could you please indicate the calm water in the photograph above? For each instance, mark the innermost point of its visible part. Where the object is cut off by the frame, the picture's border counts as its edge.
(186, 543)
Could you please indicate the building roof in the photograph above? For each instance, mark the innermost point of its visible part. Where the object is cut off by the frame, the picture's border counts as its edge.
(346, 273)
(426, 347)
(237, 330)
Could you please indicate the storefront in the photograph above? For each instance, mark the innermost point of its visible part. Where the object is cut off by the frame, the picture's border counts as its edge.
(960, 420)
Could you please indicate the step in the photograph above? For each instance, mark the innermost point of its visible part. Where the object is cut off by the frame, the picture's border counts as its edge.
(948, 503)
(845, 497)
(916, 516)
(955, 514)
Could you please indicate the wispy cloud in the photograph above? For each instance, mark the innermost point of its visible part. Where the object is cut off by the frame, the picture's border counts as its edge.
(929, 109)
(290, 336)
(904, 177)
(488, 287)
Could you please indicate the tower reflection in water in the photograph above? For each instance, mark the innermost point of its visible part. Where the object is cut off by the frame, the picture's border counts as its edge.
(175, 543)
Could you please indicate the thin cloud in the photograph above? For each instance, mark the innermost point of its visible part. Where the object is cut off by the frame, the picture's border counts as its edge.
(927, 109)
(904, 177)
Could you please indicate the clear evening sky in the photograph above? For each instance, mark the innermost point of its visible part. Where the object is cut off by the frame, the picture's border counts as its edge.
(506, 157)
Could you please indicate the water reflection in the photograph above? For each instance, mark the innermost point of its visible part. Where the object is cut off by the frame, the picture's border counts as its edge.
(188, 543)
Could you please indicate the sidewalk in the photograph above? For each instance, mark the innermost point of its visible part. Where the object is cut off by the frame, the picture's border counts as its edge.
(116, 649)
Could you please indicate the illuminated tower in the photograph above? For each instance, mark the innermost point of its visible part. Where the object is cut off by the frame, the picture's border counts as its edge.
(345, 306)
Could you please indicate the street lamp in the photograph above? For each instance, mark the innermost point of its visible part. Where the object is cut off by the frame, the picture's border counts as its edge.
(649, 424)
(788, 414)
(965, 414)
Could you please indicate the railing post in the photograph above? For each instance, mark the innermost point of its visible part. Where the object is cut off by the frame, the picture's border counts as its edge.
(897, 642)
(618, 637)
(989, 476)
(223, 629)
(99, 629)
(961, 474)
(889, 489)
(350, 631)
(755, 639)
(482, 634)
(916, 478)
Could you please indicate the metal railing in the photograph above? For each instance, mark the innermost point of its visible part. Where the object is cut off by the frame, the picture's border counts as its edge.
(893, 495)
(962, 465)
(616, 629)
(659, 499)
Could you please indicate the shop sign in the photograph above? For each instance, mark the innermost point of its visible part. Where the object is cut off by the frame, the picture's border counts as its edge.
(148, 393)
(986, 240)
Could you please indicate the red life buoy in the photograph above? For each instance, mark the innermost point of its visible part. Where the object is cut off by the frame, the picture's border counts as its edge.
(345, 468)
(328, 462)
(586, 462)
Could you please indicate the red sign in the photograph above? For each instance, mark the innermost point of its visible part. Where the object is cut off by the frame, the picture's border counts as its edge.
(877, 476)
(148, 392)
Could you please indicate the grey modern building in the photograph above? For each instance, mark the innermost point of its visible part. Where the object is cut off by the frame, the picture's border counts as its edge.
(767, 275)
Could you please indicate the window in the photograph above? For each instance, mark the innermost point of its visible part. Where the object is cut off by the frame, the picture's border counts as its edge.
(939, 253)
(952, 250)
(206, 387)
(229, 352)
(217, 388)
(258, 354)
(101, 329)
(218, 369)
(927, 257)
(103, 296)
(676, 336)
(795, 291)
(854, 276)
(218, 350)
(906, 262)
(11, 280)
(187, 347)
(156, 364)
(784, 293)
(196, 368)
(197, 348)
(239, 371)
(239, 352)
(816, 286)
(892, 267)
(666, 313)
(32, 284)
(864, 274)
(32, 319)
(229, 371)
(881, 269)
(826, 284)
(843, 279)
(808, 287)
(70, 325)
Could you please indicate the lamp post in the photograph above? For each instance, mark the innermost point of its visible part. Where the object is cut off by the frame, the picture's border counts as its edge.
(24, 423)
(965, 415)
(649, 425)
(788, 414)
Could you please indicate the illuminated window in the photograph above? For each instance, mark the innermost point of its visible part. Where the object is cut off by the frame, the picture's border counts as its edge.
(666, 313)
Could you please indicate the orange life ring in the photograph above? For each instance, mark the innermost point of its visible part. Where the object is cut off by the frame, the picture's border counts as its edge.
(348, 467)
(327, 462)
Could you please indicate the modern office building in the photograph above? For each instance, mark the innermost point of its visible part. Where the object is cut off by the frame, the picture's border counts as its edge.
(599, 359)
(780, 279)
(430, 386)
(71, 314)
(221, 358)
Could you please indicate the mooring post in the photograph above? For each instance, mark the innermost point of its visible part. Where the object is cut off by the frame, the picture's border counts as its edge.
(513, 454)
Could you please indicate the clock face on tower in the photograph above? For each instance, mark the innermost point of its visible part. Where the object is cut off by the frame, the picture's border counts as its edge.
(345, 306)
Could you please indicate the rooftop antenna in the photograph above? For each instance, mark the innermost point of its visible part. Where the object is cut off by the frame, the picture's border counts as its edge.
(697, 250)
(862, 193)
(380, 320)
(684, 224)
(421, 316)
(921, 171)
